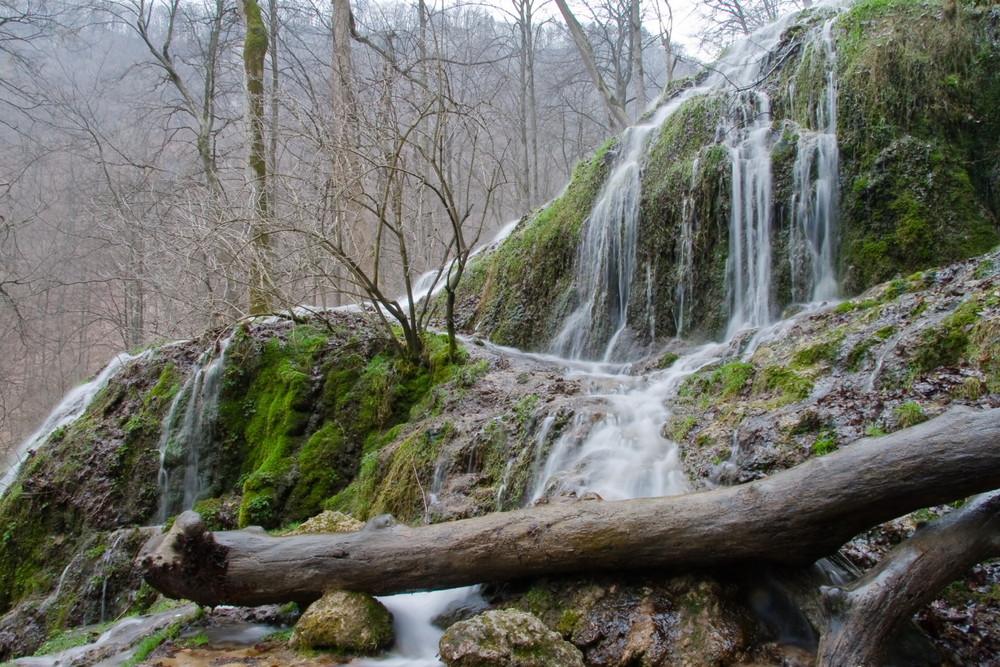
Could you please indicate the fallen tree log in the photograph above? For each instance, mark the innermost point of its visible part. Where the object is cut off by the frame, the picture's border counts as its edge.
(793, 517)
(862, 614)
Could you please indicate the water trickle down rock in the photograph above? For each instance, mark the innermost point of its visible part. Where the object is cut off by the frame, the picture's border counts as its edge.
(69, 409)
(623, 453)
(187, 429)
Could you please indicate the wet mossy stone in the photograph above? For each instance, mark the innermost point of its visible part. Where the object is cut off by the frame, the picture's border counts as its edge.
(509, 638)
(345, 621)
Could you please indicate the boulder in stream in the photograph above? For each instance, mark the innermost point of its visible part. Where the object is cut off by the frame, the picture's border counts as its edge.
(345, 621)
(506, 637)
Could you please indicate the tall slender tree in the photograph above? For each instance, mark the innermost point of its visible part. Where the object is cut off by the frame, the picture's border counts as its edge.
(614, 104)
(260, 282)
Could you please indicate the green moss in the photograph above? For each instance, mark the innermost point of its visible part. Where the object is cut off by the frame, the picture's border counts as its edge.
(680, 427)
(685, 171)
(791, 385)
(539, 601)
(909, 414)
(568, 622)
(298, 417)
(732, 377)
(984, 351)
(874, 431)
(851, 306)
(149, 644)
(825, 444)
(667, 360)
(885, 333)
(858, 354)
(47, 514)
(823, 351)
(918, 94)
(948, 342)
(725, 381)
(523, 284)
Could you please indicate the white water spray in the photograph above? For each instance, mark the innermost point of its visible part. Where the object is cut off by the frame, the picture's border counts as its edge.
(748, 265)
(815, 200)
(69, 409)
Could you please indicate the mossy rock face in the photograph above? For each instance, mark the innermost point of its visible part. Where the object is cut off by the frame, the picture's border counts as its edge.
(345, 621)
(917, 128)
(504, 638)
(524, 286)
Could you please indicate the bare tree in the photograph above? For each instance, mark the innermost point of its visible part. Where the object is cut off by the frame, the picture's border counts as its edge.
(614, 104)
(728, 20)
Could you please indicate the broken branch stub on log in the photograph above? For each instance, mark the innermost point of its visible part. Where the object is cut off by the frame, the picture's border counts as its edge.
(795, 516)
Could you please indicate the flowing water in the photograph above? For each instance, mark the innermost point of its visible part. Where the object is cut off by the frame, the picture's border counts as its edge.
(622, 451)
(187, 429)
(69, 409)
(617, 447)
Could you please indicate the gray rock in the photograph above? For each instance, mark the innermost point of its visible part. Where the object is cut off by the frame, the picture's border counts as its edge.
(345, 621)
(506, 637)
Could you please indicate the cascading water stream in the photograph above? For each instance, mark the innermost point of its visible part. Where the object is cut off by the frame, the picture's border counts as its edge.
(617, 447)
(816, 199)
(684, 292)
(621, 451)
(69, 409)
(187, 428)
(748, 265)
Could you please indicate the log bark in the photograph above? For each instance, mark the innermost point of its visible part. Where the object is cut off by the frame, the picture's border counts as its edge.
(793, 517)
(864, 613)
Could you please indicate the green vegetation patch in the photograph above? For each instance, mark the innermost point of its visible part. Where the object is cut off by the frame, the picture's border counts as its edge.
(302, 417)
(948, 342)
(919, 85)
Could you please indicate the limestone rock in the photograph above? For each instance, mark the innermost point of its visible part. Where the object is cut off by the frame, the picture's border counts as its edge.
(506, 637)
(345, 621)
(328, 522)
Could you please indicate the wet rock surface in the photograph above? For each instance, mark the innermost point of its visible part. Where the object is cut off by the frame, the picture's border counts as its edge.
(344, 621)
(894, 356)
(506, 638)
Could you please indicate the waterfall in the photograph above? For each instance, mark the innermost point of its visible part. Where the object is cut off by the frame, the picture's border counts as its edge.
(69, 409)
(606, 259)
(748, 265)
(608, 253)
(815, 200)
(187, 429)
(684, 290)
(619, 449)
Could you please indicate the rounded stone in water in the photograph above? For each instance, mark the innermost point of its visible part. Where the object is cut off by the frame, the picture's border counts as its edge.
(345, 621)
(506, 637)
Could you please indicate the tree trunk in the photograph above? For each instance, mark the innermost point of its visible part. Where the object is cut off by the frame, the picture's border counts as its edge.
(254, 54)
(864, 613)
(794, 517)
(344, 167)
(616, 107)
(638, 71)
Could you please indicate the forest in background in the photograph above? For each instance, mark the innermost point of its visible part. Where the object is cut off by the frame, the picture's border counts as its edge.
(385, 139)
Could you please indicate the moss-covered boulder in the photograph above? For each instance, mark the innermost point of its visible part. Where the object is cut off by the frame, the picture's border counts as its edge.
(506, 637)
(345, 621)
